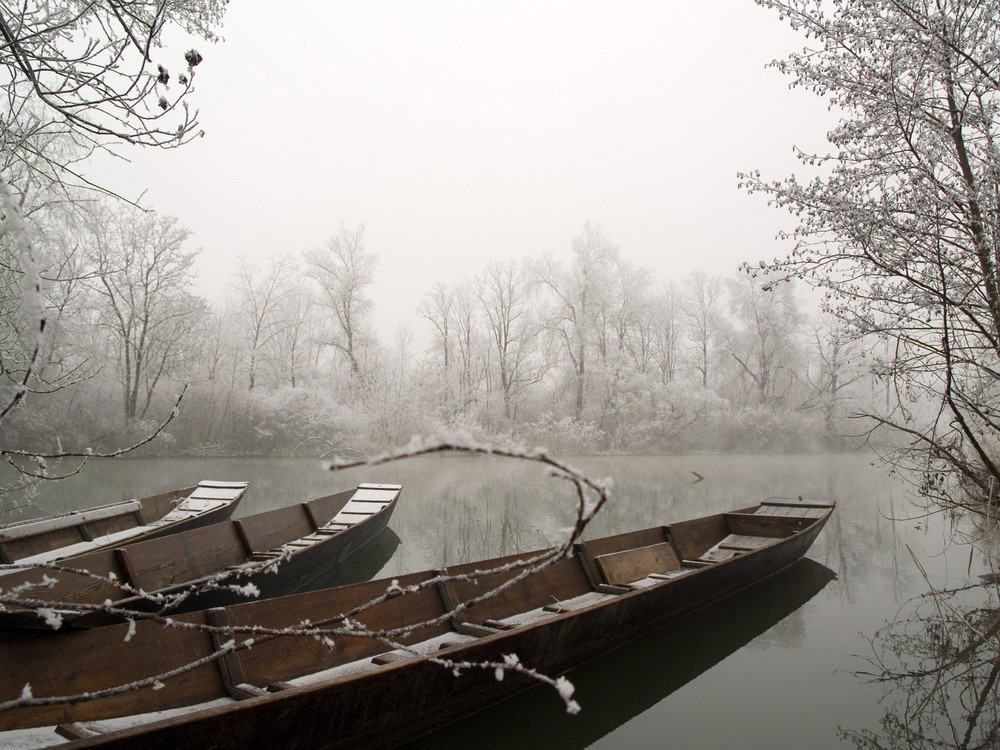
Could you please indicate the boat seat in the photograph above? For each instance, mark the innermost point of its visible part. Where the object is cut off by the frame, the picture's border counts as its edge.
(735, 545)
(716, 555)
(423, 648)
(654, 579)
(576, 602)
(627, 566)
(745, 542)
(391, 657)
(532, 616)
(78, 730)
(500, 624)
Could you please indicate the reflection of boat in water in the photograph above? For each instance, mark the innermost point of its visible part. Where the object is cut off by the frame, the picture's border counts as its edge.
(366, 681)
(655, 665)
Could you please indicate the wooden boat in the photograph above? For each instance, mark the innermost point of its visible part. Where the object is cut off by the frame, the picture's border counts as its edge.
(279, 551)
(645, 672)
(355, 689)
(58, 537)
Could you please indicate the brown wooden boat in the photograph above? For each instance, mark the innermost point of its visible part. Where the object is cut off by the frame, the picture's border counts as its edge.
(277, 552)
(66, 535)
(355, 689)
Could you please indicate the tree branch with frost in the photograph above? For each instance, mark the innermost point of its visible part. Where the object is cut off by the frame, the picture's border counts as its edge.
(92, 66)
(33, 301)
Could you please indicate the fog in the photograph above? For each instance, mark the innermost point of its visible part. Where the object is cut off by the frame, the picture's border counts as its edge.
(459, 133)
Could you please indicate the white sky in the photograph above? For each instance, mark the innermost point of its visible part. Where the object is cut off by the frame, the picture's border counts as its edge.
(462, 130)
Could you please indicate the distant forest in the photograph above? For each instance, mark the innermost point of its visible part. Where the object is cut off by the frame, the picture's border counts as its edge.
(584, 352)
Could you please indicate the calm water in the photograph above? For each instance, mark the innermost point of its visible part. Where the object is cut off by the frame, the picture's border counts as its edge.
(772, 668)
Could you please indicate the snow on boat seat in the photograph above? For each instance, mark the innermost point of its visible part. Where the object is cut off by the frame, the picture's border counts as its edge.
(618, 558)
(207, 496)
(366, 502)
(775, 506)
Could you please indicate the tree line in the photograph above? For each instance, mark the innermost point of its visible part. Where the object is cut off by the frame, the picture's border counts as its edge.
(581, 352)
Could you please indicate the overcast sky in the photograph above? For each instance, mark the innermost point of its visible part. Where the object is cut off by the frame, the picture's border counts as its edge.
(461, 131)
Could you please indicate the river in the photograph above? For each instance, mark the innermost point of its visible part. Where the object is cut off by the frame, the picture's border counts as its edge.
(772, 668)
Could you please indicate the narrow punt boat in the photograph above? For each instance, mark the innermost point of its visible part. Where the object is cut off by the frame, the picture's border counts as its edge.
(65, 535)
(387, 673)
(276, 552)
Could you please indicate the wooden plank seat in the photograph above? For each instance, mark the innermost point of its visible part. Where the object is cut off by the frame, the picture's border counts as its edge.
(774, 527)
(716, 555)
(627, 566)
(576, 602)
(736, 544)
(745, 542)
(791, 508)
(367, 500)
(206, 497)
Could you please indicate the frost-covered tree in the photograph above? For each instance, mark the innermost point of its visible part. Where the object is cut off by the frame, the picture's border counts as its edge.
(506, 295)
(76, 77)
(343, 269)
(764, 340)
(261, 295)
(901, 224)
(580, 300)
(701, 303)
(141, 281)
(95, 74)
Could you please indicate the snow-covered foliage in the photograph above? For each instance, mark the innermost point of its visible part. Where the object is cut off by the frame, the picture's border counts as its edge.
(900, 226)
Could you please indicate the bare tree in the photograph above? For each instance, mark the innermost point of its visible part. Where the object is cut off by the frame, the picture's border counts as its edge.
(261, 296)
(470, 343)
(505, 292)
(666, 331)
(702, 297)
(343, 270)
(765, 341)
(77, 77)
(838, 368)
(141, 276)
(298, 341)
(437, 308)
(901, 227)
(578, 292)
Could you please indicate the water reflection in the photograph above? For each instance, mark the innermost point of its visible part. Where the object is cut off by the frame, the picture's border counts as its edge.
(795, 679)
(628, 681)
(939, 664)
